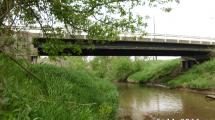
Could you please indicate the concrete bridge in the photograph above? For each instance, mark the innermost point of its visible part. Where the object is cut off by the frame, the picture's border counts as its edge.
(193, 50)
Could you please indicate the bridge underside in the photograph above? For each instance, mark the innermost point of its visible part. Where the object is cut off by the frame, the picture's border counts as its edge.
(191, 53)
(125, 48)
(126, 52)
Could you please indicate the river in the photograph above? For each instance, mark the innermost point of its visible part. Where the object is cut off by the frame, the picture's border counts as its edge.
(137, 102)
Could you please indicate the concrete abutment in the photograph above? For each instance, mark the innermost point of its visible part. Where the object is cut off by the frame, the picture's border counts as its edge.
(189, 62)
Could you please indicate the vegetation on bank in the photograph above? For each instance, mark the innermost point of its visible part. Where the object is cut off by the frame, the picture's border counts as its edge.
(72, 94)
(142, 71)
(201, 76)
(115, 68)
(156, 72)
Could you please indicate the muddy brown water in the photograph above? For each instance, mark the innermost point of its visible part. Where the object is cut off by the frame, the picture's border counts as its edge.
(137, 102)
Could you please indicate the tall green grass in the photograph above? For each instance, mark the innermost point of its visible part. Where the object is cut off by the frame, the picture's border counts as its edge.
(200, 76)
(73, 94)
(155, 71)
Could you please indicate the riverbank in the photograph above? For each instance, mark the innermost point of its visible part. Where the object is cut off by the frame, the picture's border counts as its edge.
(199, 91)
(56, 93)
(200, 78)
(156, 72)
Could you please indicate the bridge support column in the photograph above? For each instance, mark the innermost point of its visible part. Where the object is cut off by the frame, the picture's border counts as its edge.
(34, 59)
(189, 62)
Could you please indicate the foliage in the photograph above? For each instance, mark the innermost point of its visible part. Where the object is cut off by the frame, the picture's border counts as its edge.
(155, 71)
(73, 94)
(200, 76)
(115, 68)
(122, 68)
(101, 66)
(101, 19)
(77, 63)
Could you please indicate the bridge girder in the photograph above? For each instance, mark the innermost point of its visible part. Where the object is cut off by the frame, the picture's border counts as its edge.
(126, 48)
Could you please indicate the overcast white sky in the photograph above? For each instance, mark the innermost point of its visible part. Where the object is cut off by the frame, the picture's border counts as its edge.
(190, 17)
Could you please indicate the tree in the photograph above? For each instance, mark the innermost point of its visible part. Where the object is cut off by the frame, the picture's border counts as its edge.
(100, 18)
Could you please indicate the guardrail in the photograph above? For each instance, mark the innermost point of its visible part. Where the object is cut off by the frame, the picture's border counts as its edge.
(168, 38)
(182, 36)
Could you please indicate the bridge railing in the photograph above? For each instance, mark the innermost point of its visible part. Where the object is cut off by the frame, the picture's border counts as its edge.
(181, 36)
(167, 38)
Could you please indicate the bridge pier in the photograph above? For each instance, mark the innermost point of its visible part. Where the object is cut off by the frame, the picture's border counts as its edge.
(34, 59)
(189, 62)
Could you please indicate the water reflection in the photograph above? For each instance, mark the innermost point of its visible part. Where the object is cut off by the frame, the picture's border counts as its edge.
(142, 103)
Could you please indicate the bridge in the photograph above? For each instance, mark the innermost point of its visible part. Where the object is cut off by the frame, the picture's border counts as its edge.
(126, 48)
(193, 50)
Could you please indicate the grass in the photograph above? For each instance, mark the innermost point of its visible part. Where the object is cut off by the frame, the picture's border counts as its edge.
(200, 76)
(73, 94)
(155, 71)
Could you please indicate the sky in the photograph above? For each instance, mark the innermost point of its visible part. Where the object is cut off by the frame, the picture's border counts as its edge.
(190, 17)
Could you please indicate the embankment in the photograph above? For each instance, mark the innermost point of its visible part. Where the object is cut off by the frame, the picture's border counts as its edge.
(71, 94)
(200, 77)
(156, 72)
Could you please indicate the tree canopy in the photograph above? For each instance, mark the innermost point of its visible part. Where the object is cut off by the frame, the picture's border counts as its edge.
(100, 18)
